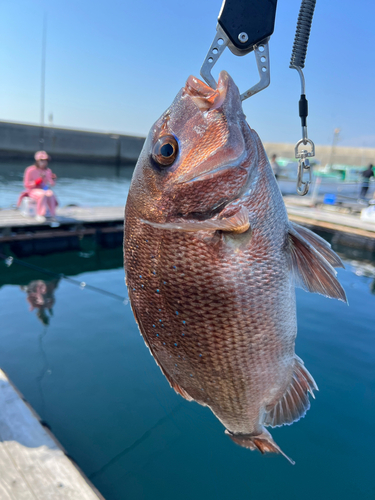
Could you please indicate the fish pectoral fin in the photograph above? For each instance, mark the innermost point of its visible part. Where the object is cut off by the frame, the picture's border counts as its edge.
(294, 403)
(237, 223)
(262, 442)
(322, 246)
(312, 271)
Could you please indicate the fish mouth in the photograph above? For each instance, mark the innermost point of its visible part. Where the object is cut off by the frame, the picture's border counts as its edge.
(204, 96)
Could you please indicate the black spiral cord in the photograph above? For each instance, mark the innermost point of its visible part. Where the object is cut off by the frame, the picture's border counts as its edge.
(302, 36)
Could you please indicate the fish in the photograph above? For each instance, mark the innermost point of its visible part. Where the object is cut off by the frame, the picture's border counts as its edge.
(212, 261)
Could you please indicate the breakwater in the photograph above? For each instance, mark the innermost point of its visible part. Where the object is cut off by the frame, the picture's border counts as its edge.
(19, 141)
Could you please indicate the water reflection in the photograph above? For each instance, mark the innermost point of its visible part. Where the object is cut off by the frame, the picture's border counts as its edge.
(365, 269)
(40, 296)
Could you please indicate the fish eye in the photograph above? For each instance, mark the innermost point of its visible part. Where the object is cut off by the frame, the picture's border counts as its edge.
(165, 150)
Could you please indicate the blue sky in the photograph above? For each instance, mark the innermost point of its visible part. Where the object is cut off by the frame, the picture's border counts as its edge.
(116, 65)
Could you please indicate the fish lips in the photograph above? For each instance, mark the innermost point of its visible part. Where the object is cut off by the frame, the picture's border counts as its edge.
(226, 95)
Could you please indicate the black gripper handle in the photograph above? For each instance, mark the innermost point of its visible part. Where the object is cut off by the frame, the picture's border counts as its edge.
(256, 18)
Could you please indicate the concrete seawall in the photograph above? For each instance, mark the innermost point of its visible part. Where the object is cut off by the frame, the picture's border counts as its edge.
(18, 141)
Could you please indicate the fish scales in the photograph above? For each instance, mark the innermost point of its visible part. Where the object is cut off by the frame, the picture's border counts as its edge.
(216, 307)
(224, 321)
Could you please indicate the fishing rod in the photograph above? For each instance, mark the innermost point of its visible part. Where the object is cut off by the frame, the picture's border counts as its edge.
(43, 82)
(9, 260)
(246, 26)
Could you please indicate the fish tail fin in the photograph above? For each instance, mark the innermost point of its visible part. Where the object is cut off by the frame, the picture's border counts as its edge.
(262, 442)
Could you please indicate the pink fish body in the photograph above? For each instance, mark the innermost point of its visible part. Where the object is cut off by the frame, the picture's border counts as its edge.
(211, 264)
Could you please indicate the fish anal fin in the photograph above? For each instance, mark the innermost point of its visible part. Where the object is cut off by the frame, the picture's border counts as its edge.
(294, 403)
(311, 270)
(321, 245)
(262, 442)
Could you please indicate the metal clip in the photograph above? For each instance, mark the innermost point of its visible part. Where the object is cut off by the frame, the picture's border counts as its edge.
(303, 186)
(304, 165)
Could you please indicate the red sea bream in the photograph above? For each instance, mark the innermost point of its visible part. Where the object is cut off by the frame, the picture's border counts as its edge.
(212, 261)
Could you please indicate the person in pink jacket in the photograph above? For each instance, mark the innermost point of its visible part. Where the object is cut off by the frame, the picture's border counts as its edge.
(38, 180)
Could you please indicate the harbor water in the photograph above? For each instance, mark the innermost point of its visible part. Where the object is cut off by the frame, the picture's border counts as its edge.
(76, 355)
(95, 184)
(79, 360)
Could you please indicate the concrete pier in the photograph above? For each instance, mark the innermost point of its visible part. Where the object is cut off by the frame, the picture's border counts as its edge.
(32, 463)
(25, 236)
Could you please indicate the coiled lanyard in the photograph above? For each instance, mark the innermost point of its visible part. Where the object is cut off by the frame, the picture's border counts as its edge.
(297, 62)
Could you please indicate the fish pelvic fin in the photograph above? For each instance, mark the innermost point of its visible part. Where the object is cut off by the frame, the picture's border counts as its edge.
(312, 263)
(180, 390)
(262, 442)
(294, 403)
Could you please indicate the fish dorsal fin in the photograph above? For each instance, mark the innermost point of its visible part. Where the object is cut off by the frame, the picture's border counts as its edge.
(294, 403)
(322, 246)
(312, 271)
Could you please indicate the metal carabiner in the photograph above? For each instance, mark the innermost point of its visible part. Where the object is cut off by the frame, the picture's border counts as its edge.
(303, 186)
(303, 165)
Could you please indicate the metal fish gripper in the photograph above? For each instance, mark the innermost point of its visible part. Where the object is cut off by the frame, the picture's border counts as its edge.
(243, 26)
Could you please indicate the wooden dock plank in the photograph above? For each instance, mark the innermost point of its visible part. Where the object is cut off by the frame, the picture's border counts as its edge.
(32, 464)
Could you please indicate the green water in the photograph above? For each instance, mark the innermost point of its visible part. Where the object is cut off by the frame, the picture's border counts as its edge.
(90, 377)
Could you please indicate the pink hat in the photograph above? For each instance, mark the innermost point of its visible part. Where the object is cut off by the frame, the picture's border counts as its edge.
(41, 155)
